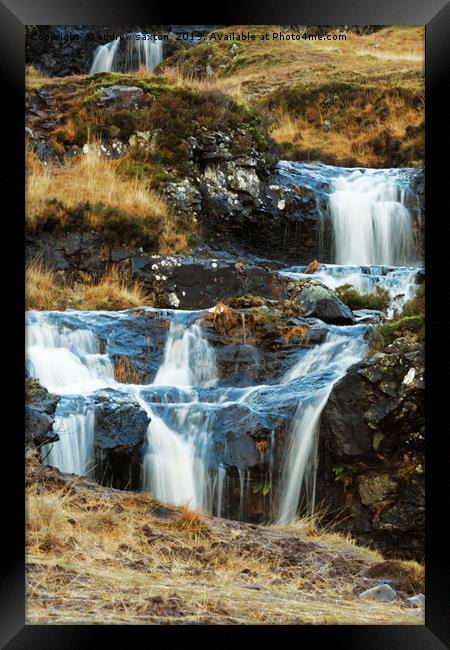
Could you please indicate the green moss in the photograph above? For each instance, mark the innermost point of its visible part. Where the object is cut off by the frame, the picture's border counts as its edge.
(410, 320)
(378, 299)
(392, 329)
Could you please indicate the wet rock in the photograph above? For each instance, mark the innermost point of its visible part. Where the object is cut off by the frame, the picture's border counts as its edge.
(73, 253)
(382, 593)
(188, 282)
(317, 300)
(238, 428)
(372, 434)
(376, 488)
(120, 428)
(40, 407)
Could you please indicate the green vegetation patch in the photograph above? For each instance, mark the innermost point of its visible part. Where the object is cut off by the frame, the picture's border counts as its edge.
(410, 320)
(378, 299)
(171, 113)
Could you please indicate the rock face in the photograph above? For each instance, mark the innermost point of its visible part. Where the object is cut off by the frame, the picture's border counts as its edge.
(120, 428)
(243, 204)
(372, 449)
(40, 407)
(190, 282)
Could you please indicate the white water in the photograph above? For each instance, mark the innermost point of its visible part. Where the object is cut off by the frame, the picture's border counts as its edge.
(73, 452)
(189, 360)
(176, 466)
(370, 222)
(334, 356)
(66, 362)
(399, 282)
(138, 52)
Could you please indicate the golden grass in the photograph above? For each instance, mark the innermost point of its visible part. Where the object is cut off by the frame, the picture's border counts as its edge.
(182, 79)
(93, 179)
(34, 79)
(296, 332)
(112, 292)
(352, 131)
(94, 183)
(95, 554)
(388, 60)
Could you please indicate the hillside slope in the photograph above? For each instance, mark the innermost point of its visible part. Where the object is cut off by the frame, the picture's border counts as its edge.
(99, 555)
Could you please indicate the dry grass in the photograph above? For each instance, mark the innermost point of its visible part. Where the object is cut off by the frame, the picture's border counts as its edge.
(297, 332)
(91, 186)
(34, 79)
(44, 291)
(92, 179)
(382, 66)
(355, 133)
(98, 555)
(182, 79)
(113, 292)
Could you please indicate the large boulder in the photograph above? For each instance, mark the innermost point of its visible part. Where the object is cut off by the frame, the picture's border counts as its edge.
(119, 433)
(372, 449)
(315, 299)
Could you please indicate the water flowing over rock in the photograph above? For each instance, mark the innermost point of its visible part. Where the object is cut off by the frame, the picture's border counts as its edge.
(136, 51)
(259, 407)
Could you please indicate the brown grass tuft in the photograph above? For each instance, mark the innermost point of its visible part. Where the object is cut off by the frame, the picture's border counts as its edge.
(93, 179)
(111, 292)
(297, 332)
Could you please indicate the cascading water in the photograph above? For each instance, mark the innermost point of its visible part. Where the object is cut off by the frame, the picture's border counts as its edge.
(68, 362)
(73, 452)
(370, 222)
(321, 366)
(138, 52)
(174, 466)
(185, 459)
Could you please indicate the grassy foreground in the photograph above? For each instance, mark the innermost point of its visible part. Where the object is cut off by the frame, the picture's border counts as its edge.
(99, 555)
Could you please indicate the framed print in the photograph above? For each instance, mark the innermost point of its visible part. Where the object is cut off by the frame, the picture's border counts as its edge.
(227, 238)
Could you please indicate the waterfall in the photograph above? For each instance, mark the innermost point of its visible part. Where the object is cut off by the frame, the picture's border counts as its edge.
(400, 282)
(73, 452)
(189, 360)
(328, 361)
(104, 57)
(370, 222)
(175, 464)
(66, 361)
(138, 52)
(187, 452)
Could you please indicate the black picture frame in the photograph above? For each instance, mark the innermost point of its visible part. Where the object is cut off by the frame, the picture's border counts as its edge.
(435, 15)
